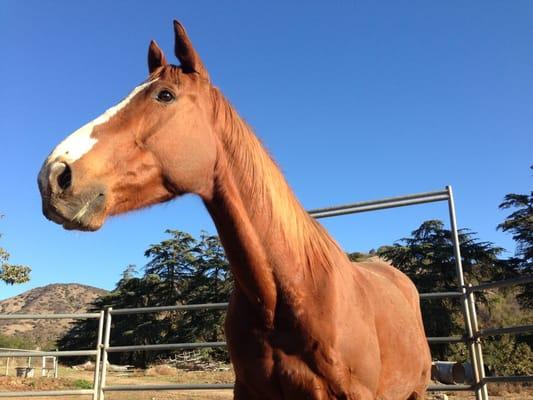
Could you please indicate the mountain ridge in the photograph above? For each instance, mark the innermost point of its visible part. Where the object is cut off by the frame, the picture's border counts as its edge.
(54, 298)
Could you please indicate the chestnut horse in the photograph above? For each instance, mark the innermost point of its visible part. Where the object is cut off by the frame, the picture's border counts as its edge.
(303, 321)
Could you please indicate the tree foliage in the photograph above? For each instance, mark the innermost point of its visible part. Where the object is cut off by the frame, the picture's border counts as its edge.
(520, 224)
(358, 256)
(180, 270)
(15, 342)
(11, 273)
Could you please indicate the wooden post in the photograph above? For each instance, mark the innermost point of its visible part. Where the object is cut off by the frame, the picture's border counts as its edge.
(7, 366)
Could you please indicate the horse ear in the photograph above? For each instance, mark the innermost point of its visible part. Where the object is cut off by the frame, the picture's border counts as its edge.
(156, 58)
(189, 58)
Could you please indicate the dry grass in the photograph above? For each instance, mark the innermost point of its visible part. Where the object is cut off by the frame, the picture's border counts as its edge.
(164, 370)
(500, 391)
(157, 375)
(509, 390)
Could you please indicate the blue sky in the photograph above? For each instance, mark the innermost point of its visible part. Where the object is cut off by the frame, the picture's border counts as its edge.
(356, 100)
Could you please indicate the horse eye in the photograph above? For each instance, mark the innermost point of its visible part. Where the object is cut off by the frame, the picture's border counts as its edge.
(165, 96)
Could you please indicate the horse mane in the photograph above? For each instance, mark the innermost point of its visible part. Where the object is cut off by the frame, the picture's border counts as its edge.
(265, 191)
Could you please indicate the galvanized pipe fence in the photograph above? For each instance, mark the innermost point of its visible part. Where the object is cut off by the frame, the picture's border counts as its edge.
(96, 352)
(465, 293)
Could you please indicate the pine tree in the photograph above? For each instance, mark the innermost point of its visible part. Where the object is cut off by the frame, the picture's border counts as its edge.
(180, 270)
(174, 261)
(520, 225)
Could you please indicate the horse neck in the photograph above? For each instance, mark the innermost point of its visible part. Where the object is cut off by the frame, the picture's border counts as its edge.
(268, 236)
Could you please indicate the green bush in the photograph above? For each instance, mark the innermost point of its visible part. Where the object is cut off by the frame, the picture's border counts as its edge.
(505, 356)
(13, 342)
(83, 384)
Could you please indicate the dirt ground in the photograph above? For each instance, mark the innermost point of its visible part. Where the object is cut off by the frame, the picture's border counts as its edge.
(73, 379)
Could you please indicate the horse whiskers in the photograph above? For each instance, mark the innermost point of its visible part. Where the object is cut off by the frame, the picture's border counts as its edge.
(83, 210)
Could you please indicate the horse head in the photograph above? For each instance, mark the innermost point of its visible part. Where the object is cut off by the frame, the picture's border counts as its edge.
(154, 145)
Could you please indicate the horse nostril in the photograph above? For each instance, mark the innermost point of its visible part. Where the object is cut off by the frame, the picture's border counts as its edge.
(60, 177)
(65, 178)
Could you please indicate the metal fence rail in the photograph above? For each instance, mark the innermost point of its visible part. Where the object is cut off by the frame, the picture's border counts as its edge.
(451, 388)
(176, 386)
(505, 331)
(179, 307)
(501, 284)
(67, 353)
(50, 316)
(472, 335)
(169, 346)
(496, 379)
(447, 339)
(391, 202)
(440, 295)
(48, 393)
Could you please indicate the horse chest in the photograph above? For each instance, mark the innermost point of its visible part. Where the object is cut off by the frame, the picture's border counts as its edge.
(288, 362)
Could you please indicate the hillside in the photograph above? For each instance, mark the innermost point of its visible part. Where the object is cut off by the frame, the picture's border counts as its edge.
(55, 298)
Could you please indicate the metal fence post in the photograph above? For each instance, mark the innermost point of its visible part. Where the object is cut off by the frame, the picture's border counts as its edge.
(477, 343)
(103, 374)
(96, 378)
(465, 299)
(56, 366)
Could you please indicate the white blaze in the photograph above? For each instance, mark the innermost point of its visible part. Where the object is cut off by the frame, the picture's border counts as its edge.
(80, 142)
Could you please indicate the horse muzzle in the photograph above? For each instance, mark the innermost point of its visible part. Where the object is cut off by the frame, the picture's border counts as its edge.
(66, 203)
